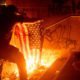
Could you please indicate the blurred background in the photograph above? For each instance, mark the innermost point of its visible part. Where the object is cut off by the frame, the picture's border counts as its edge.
(43, 8)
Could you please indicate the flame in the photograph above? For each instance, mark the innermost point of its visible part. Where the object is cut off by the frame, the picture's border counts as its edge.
(47, 58)
(9, 71)
(33, 60)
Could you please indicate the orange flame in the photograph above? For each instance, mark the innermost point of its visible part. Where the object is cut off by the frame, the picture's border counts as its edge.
(47, 58)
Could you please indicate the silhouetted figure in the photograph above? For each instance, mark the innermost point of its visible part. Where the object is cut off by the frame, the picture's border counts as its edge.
(8, 17)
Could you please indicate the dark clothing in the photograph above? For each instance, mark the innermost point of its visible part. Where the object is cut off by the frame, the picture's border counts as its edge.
(12, 54)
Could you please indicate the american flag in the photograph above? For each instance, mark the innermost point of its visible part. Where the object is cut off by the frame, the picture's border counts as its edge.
(29, 37)
(34, 35)
(35, 40)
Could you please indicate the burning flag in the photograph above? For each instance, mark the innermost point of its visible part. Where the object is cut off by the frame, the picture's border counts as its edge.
(29, 42)
(35, 44)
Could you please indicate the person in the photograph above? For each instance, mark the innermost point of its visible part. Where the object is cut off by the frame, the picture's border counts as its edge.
(8, 17)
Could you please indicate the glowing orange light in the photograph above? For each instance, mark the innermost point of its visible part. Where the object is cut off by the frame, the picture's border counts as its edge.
(33, 60)
(47, 58)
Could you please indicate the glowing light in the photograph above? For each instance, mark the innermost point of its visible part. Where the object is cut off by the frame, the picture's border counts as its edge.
(48, 57)
(33, 60)
(9, 71)
(4, 3)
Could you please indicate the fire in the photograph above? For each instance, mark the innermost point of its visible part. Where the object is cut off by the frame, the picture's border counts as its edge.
(9, 71)
(47, 58)
(33, 60)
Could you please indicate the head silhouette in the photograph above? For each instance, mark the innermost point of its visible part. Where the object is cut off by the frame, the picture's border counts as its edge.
(8, 18)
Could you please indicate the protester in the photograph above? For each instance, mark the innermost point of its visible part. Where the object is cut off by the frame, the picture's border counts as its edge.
(9, 15)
